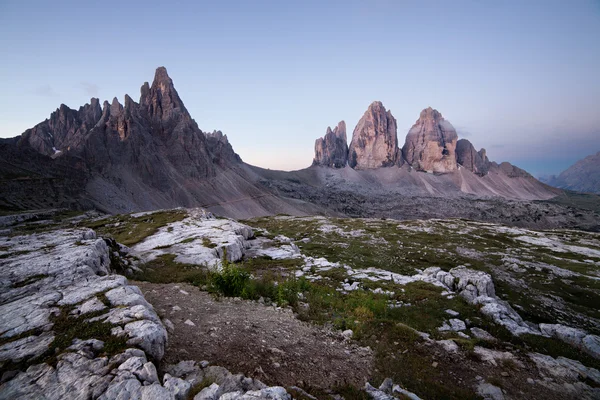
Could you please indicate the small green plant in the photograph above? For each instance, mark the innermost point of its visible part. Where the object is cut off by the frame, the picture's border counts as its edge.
(231, 280)
(207, 243)
(197, 388)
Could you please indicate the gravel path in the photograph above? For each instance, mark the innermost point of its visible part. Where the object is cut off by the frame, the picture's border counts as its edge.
(256, 340)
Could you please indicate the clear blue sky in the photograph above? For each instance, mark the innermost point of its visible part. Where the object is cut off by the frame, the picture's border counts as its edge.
(519, 78)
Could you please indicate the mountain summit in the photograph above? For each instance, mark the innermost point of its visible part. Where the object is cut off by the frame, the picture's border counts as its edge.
(583, 176)
(137, 156)
(431, 143)
(375, 140)
(151, 154)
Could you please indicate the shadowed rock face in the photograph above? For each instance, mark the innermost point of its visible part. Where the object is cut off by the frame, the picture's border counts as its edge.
(155, 142)
(332, 149)
(431, 143)
(375, 140)
(64, 128)
(475, 161)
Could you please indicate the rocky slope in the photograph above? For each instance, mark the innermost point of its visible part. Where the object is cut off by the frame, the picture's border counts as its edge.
(137, 156)
(151, 154)
(583, 176)
(332, 149)
(366, 299)
(375, 140)
(431, 146)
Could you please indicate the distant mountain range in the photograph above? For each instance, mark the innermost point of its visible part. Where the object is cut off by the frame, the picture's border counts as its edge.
(583, 176)
(151, 154)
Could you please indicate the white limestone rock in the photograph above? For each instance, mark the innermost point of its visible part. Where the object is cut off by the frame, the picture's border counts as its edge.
(575, 337)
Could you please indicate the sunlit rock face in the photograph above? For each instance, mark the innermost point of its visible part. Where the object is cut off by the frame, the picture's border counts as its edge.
(375, 140)
(431, 143)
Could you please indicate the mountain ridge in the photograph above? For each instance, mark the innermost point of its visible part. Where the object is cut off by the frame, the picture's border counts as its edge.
(582, 176)
(151, 154)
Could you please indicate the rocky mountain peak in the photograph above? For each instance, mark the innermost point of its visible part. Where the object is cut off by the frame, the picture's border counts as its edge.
(430, 114)
(475, 161)
(375, 140)
(431, 143)
(161, 101)
(332, 149)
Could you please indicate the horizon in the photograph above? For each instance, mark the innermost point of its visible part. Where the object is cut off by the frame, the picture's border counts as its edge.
(531, 99)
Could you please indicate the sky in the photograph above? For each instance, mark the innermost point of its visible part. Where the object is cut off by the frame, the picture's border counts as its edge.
(519, 78)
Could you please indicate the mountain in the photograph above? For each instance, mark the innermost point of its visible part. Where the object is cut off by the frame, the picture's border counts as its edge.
(432, 161)
(332, 149)
(375, 140)
(475, 161)
(138, 156)
(431, 143)
(583, 176)
(151, 154)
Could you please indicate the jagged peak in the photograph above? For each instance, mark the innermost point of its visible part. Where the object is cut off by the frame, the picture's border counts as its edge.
(129, 101)
(377, 108)
(376, 104)
(162, 82)
(430, 113)
(115, 107)
(161, 75)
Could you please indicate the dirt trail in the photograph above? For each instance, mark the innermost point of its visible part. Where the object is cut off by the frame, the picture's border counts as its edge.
(256, 340)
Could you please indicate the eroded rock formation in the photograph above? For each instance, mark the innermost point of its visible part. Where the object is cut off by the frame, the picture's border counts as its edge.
(375, 140)
(475, 161)
(332, 149)
(431, 143)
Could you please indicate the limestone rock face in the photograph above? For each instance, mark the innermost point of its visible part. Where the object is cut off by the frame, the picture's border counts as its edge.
(475, 161)
(332, 149)
(431, 143)
(375, 140)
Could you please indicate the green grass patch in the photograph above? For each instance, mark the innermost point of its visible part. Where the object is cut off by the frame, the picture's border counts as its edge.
(29, 280)
(14, 254)
(164, 269)
(197, 388)
(207, 243)
(129, 230)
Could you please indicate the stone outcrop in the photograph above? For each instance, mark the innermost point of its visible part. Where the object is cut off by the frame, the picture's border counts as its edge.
(71, 329)
(375, 140)
(431, 143)
(477, 287)
(55, 287)
(575, 337)
(332, 149)
(475, 161)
